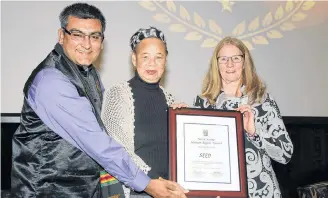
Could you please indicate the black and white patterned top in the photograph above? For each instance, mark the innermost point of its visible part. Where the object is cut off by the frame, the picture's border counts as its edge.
(270, 142)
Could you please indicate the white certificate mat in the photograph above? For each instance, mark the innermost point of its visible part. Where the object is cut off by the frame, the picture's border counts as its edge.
(207, 153)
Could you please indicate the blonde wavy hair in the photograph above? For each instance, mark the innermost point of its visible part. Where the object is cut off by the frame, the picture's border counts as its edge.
(212, 84)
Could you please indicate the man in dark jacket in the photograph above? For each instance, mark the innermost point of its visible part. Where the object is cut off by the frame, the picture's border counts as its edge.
(61, 143)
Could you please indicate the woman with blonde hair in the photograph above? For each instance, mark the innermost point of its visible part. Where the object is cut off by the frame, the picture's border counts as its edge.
(232, 83)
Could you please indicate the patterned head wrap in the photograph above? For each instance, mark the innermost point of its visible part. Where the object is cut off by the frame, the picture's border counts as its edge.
(142, 33)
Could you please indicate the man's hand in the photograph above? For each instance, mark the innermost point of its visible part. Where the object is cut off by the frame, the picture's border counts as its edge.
(161, 188)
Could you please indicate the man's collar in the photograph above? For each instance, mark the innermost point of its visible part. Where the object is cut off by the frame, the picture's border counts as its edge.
(83, 69)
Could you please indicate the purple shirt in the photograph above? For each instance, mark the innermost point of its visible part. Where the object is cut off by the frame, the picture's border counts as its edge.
(56, 101)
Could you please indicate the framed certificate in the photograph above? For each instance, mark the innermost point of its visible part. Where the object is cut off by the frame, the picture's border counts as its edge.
(207, 154)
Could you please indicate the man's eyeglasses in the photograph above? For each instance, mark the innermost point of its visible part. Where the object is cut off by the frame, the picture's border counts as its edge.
(234, 59)
(79, 36)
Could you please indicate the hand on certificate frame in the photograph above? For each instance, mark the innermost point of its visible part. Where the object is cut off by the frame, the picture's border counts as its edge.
(176, 190)
(248, 118)
(179, 105)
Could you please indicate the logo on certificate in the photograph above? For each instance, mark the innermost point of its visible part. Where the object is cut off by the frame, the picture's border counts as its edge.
(205, 132)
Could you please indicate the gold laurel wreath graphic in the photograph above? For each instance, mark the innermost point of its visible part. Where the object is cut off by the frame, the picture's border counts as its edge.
(258, 31)
(283, 19)
(183, 22)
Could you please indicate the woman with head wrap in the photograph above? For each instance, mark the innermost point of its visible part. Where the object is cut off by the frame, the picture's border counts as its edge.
(135, 111)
